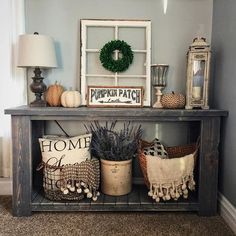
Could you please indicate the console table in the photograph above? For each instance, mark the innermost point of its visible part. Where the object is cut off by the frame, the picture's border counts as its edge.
(28, 125)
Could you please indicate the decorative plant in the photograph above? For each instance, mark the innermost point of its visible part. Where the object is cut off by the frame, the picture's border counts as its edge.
(112, 145)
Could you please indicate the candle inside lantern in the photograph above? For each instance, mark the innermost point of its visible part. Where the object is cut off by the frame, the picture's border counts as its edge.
(198, 79)
(197, 92)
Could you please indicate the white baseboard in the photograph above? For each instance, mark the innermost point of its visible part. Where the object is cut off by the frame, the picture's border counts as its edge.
(227, 211)
(5, 186)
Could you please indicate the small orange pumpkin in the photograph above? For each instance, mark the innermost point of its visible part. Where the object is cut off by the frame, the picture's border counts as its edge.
(173, 100)
(53, 95)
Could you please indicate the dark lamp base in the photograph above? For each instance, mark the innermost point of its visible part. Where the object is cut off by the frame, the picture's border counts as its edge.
(38, 88)
(38, 103)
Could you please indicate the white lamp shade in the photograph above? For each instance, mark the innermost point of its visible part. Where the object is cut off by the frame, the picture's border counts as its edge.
(36, 50)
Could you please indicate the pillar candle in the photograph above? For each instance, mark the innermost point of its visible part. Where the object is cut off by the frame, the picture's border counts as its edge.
(196, 93)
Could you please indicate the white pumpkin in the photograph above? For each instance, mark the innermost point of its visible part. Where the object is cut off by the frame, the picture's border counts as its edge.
(71, 99)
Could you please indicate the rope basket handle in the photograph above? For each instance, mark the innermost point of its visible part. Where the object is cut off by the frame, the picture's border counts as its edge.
(67, 135)
(197, 146)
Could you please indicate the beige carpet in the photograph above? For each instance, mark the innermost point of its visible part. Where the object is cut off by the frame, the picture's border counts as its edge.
(148, 224)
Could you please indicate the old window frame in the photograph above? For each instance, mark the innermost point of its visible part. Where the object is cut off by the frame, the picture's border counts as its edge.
(117, 24)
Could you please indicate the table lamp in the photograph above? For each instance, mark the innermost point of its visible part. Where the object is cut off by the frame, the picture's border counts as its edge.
(36, 51)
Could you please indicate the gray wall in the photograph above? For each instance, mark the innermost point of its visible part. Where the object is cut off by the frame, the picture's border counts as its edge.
(224, 48)
(172, 33)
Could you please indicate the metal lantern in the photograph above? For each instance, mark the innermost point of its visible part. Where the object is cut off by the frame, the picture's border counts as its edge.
(159, 76)
(198, 69)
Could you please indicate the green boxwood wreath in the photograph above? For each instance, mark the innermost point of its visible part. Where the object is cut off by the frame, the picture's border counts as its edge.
(120, 64)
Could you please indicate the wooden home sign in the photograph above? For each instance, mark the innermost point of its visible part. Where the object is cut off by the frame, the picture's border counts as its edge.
(117, 96)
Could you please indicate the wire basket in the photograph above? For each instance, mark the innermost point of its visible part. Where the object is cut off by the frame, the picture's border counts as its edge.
(71, 181)
(173, 152)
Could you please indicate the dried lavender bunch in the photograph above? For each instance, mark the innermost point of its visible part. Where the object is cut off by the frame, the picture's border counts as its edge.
(114, 145)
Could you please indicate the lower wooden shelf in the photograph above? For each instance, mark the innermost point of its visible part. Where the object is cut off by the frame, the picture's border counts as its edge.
(137, 200)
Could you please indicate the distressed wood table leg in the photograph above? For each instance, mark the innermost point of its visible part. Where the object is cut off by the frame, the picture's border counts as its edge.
(208, 169)
(22, 165)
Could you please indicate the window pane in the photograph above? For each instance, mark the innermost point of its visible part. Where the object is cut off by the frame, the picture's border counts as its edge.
(97, 37)
(135, 37)
(94, 65)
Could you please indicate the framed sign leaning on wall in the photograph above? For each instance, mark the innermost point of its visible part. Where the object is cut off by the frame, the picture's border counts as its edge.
(116, 53)
(104, 96)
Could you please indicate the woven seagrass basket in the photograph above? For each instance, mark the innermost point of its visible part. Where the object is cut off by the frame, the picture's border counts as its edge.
(173, 152)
